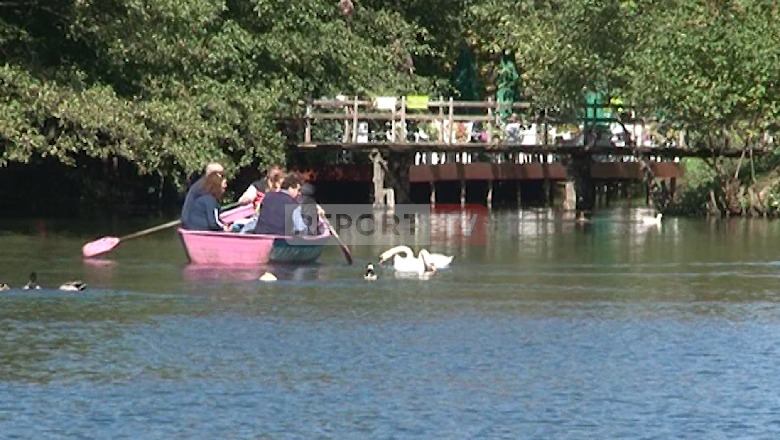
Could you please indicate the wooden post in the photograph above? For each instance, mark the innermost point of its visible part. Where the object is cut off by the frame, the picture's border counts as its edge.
(490, 123)
(441, 132)
(490, 194)
(441, 120)
(570, 197)
(451, 132)
(307, 130)
(403, 119)
(547, 188)
(378, 179)
(449, 123)
(392, 124)
(346, 137)
(355, 121)
(462, 192)
(518, 189)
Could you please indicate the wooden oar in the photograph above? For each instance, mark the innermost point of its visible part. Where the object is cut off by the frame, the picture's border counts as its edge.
(344, 247)
(107, 244)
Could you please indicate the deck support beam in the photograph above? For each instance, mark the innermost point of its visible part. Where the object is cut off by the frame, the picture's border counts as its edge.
(569, 196)
(383, 197)
(579, 168)
(397, 169)
(519, 190)
(489, 197)
(462, 192)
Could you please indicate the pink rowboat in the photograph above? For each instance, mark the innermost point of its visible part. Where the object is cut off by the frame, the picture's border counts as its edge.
(236, 249)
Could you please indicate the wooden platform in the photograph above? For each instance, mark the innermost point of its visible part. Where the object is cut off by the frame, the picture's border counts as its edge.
(490, 171)
(506, 147)
(399, 119)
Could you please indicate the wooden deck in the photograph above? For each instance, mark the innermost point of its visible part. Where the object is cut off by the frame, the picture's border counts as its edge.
(454, 172)
(467, 141)
(393, 129)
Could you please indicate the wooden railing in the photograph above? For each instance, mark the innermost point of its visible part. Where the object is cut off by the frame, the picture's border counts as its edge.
(443, 111)
(447, 113)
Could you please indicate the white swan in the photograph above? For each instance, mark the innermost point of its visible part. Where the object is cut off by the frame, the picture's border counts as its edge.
(649, 220)
(438, 260)
(428, 270)
(409, 263)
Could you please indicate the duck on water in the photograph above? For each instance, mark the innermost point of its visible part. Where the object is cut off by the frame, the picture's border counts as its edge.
(32, 284)
(370, 274)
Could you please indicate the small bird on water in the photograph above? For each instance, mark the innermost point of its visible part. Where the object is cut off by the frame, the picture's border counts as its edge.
(4, 287)
(370, 274)
(33, 283)
(73, 286)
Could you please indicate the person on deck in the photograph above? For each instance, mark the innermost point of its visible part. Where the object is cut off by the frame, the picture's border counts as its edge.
(204, 214)
(196, 190)
(275, 217)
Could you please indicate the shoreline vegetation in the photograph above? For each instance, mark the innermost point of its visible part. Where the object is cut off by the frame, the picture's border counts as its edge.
(123, 102)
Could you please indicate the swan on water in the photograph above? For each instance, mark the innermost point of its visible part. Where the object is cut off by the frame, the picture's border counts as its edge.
(429, 266)
(652, 220)
(370, 274)
(4, 287)
(429, 269)
(405, 261)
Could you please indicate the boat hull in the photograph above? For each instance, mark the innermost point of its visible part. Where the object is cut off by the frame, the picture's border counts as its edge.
(234, 249)
(237, 249)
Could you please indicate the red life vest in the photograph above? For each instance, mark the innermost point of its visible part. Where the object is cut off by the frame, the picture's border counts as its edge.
(258, 200)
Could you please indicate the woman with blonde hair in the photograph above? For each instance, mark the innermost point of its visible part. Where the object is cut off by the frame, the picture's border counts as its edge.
(256, 191)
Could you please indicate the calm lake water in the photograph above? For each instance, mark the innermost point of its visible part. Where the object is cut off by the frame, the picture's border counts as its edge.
(541, 329)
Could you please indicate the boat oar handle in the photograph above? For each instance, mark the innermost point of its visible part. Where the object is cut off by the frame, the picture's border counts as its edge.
(344, 247)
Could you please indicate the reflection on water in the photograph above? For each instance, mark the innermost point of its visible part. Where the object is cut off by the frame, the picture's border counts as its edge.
(542, 327)
(283, 272)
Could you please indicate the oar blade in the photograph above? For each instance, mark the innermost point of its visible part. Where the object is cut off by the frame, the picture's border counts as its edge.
(99, 246)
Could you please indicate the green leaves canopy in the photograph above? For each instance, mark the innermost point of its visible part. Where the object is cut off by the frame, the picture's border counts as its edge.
(170, 85)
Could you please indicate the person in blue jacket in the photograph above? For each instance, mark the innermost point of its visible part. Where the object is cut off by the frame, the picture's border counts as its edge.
(276, 211)
(204, 213)
(196, 190)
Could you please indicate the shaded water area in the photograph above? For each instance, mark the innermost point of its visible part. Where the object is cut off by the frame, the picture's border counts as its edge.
(546, 329)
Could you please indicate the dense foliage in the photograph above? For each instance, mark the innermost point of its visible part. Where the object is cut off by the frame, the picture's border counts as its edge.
(166, 86)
